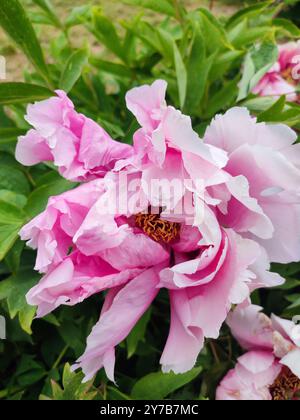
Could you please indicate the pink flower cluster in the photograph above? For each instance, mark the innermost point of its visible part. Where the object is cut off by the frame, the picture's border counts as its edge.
(284, 77)
(271, 368)
(245, 216)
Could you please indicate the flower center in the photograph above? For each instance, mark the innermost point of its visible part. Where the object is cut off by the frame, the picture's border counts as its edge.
(286, 387)
(157, 229)
(287, 74)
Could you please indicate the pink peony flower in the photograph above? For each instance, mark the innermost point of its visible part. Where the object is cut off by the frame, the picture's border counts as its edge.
(271, 368)
(268, 161)
(203, 238)
(283, 78)
(80, 148)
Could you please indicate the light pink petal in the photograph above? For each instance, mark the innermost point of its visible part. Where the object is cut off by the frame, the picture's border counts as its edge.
(146, 101)
(185, 339)
(32, 149)
(250, 380)
(243, 212)
(116, 323)
(292, 361)
(251, 328)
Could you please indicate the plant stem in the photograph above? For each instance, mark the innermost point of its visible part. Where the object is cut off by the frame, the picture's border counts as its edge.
(59, 359)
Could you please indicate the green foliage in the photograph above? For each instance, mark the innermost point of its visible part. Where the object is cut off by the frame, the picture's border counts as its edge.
(210, 64)
(157, 386)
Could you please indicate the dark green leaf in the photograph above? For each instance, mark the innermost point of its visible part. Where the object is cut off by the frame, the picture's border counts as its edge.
(157, 386)
(13, 93)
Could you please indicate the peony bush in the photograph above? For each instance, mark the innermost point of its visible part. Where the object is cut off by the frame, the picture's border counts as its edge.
(149, 205)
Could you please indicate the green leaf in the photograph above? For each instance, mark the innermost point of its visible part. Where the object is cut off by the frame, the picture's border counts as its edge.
(111, 68)
(181, 75)
(26, 317)
(73, 388)
(13, 180)
(105, 31)
(137, 334)
(223, 98)
(258, 62)
(196, 70)
(289, 284)
(8, 236)
(286, 270)
(273, 112)
(10, 214)
(157, 386)
(14, 289)
(16, 24)
(13, 93)
(167, 45)
(10, 134)
(13, 258)
(115, 394)
(11, 197)
(223, 62)
(73, 69)
(287, 26)
(160, 6)
(248, 12)
(296, 301)
(252, 35)
(78, 15)
(29, 371)
(213, 31)
(38, 199)
(48, 8)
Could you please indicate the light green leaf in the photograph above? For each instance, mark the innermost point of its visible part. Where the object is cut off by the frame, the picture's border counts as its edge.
(257, 63)
(73, 388)
(48, 8)
(248, 12)
(196, 71)
(11, 197)
(160, 6)
(73, 69)
(181, 75)
(10, 214)
(78, 15)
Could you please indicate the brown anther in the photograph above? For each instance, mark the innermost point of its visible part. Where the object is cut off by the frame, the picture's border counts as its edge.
(286, 387)
(157, 229)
